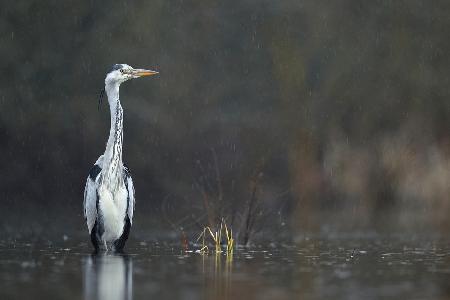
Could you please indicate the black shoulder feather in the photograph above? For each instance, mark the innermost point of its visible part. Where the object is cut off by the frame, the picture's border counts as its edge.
(95, 170)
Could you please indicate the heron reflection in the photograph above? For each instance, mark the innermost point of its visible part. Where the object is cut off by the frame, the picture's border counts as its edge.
(108, 276)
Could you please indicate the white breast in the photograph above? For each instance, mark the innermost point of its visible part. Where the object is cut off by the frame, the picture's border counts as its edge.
(112, 209)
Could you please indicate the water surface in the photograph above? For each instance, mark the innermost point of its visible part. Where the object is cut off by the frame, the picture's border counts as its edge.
(310, 269)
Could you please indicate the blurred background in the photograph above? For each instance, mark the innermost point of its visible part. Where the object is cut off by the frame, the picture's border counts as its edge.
(285, 118)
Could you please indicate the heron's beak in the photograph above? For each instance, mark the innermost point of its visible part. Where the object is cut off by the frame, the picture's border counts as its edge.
(143, 72)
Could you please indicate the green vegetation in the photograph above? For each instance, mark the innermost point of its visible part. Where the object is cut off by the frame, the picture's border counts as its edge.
(216, 237)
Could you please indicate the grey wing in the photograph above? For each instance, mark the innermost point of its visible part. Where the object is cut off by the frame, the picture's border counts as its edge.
(90, 197)
(130, 189)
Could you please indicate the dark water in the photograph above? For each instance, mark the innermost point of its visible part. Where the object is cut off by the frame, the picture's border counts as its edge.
(337, 269)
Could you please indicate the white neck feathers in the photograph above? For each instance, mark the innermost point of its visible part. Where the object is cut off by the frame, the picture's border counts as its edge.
(112, 165)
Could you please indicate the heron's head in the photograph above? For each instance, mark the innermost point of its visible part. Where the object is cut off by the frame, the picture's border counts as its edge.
(122, 72)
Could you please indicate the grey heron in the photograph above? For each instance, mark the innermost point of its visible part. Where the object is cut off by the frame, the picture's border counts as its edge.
(109, 192)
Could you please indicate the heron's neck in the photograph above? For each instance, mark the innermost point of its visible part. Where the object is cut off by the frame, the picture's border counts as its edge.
(113, 153)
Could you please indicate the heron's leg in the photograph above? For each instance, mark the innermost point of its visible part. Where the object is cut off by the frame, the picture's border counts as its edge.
(106, 245)
(94, 237)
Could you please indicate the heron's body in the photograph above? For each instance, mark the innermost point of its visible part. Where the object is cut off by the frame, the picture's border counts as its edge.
(109, 192)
